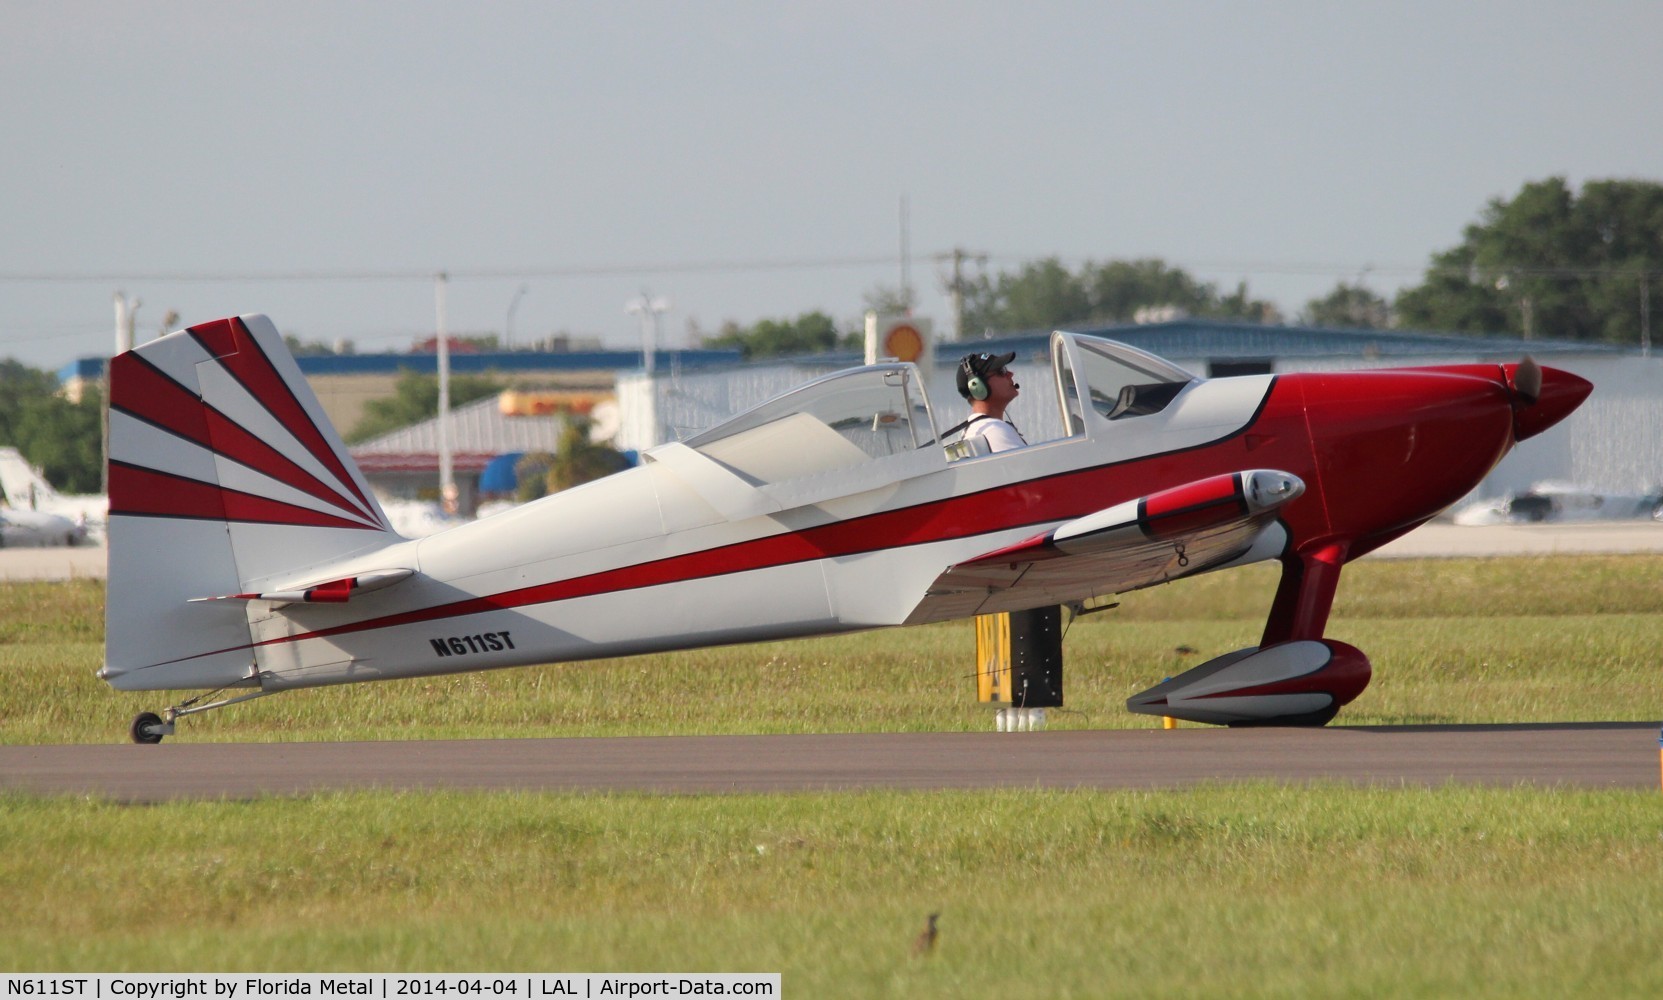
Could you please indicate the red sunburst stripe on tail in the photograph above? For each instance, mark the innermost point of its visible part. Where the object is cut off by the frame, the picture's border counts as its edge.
(147, 493)
(143, 391)
(230, 343)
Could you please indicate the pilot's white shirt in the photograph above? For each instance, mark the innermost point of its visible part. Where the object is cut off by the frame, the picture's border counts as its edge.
(1000, 434)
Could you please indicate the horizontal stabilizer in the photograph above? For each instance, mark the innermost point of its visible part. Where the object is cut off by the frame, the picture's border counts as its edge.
(337, 591)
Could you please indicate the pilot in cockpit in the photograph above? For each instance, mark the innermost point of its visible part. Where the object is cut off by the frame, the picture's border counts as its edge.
(986, 382)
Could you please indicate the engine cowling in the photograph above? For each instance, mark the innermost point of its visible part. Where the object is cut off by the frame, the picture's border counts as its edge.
(1299, 683)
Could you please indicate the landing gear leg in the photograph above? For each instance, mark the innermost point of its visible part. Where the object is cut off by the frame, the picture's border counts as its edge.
(1305, 595)
(148, 727)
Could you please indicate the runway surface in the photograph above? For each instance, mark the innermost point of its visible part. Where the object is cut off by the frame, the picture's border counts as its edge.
(1591, 755)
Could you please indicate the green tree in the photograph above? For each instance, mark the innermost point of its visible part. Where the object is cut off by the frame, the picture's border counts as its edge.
(1549, 262)
(1044, 294)
(1348, 305)
(1120, 288)
(416, 398)
(1240, 305)
(65, 440)
(810, 333)
(580, 460)
(19, 386)
(531, 475)
(1038, 295)
(889, 300)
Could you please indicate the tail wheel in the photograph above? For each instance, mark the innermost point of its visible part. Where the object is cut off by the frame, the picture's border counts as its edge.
(147, 728)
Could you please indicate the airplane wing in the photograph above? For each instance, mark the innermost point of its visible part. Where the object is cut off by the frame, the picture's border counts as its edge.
(1174, 533)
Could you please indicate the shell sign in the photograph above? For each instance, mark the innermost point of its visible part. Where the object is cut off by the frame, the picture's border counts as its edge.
(903, 342)
(898, 338)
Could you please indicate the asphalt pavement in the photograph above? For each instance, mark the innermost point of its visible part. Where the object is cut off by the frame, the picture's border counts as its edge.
(1570, 755)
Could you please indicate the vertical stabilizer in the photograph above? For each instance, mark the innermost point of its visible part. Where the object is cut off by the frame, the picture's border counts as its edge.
(224, 476)
(20, 484)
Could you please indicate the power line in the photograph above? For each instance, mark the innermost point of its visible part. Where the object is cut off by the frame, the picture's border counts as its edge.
(426, 274)
(1244, 267)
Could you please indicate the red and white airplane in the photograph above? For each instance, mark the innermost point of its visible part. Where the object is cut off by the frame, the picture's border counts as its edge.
(247, 555)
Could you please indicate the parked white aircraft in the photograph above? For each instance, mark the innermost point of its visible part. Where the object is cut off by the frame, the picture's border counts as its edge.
(1562, 502)
(26, 489)
(26, 529)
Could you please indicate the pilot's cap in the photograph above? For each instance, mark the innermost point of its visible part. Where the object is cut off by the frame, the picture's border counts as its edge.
(981, 366)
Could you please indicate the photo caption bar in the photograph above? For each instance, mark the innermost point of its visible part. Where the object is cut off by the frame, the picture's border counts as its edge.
(389, 986)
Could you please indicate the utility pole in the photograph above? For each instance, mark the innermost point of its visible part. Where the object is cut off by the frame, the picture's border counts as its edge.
(126, 311)
(906, 255)
(448, 495)
(649, 309)
(957, 284)
(508, 325)
(126, 316)
(1645, 313)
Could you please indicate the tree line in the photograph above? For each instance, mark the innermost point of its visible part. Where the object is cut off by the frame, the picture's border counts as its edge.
(1548, 262)
(64, 439)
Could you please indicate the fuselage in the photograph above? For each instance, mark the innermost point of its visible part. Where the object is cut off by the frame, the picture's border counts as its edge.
(644, 561)
(836, 509)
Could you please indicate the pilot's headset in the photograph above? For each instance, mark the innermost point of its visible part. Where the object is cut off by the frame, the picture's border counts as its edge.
(974, 385)
(973, 382)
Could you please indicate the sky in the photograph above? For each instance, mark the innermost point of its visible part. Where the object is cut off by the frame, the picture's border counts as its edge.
(321, 162)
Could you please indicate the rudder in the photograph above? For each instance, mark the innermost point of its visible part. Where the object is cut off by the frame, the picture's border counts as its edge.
(224, 476)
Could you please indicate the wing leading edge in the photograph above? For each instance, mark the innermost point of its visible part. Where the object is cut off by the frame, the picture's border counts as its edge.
(1174, 533)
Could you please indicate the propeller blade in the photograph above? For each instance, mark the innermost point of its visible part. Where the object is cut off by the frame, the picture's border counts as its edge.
(1527, 380)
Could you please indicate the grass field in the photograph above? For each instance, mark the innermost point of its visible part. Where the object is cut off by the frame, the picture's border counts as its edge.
(1496, 640)
(1240, 890)
(1249, 890)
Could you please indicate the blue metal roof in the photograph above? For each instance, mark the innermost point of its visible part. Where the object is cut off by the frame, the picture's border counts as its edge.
(82, 368)
(495, 361)
(508, 361)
